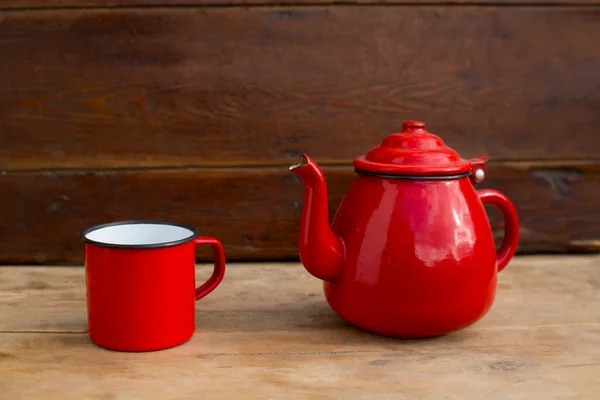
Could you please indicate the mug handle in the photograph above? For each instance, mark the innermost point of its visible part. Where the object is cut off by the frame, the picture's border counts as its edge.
(511, 224)
(219, 270)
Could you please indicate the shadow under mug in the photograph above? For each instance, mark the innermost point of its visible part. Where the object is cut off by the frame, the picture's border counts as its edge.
(140, 283)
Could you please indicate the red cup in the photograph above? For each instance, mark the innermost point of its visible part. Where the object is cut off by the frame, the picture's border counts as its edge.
(141, 286)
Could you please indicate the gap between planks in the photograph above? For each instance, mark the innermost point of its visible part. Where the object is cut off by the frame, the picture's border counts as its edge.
(317, 329)
(302, 4)
(515, 164)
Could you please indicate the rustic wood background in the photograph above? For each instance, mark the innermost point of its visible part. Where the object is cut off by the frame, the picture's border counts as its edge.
(192, 111)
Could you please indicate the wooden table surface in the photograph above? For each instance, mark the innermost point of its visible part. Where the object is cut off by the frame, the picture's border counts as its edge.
(267, 333)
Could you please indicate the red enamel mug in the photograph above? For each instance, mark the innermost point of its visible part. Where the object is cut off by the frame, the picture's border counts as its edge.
(140, 281)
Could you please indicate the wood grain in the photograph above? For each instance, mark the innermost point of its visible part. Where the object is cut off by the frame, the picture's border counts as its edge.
(268, 333)
(155, 87)
(256, 212)
(28, 4)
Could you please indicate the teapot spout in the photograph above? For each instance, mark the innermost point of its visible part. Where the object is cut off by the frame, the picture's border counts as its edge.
(321, 251)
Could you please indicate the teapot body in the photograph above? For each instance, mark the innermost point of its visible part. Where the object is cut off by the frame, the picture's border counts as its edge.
(420, 258)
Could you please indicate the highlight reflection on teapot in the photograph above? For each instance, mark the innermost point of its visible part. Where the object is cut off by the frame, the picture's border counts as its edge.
(411, 252)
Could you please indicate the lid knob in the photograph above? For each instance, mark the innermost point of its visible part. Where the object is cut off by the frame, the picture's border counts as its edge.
(411, 126)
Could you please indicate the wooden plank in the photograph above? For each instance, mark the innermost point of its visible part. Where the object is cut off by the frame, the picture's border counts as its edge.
(266, 297)
(258, 86)
(256, 212)
(537, 364)
(267, 333)
(28, 4)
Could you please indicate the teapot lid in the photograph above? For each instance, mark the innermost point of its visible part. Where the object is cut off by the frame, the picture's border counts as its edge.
(414, 151)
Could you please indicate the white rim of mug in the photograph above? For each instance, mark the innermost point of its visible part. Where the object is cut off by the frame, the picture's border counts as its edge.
(87, 231)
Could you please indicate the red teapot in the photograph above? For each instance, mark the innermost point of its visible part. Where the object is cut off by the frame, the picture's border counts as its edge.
(410, 253)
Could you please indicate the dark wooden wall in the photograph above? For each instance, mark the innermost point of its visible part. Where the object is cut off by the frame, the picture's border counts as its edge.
(193, 110)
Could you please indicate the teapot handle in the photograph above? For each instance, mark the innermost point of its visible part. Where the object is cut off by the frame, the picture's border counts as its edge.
(511, 224)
